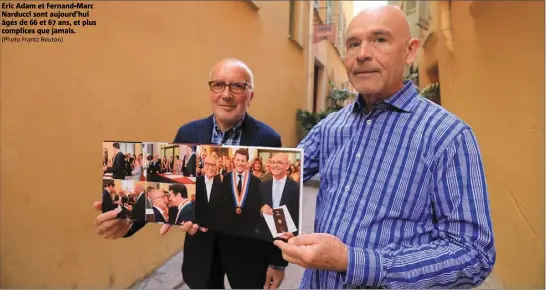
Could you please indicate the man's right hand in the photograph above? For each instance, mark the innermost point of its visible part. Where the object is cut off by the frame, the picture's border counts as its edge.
(188, 227)
(266, 209)
(108, 225)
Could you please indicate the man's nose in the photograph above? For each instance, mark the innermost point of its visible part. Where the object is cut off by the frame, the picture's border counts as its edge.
(226, 93)
(365, 53)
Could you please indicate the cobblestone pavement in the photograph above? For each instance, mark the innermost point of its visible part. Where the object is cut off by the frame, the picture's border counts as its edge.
(169, 275)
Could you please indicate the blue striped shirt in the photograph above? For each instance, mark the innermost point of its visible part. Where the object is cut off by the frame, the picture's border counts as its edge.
(403, 186)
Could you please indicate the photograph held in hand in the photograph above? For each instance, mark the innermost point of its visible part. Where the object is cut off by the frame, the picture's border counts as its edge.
(237, 183)
(149, 182)
(251, 192)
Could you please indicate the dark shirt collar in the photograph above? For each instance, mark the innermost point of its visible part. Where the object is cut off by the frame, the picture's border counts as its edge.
(404, 100)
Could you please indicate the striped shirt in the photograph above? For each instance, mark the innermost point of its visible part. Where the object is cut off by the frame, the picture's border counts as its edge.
(403, 186)
(230, 137)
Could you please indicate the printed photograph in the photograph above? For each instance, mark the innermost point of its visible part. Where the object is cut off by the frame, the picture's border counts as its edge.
(253, 192)
(169, 163)
(125, 196)
(249, 191)
(170, 203)
(122, 160)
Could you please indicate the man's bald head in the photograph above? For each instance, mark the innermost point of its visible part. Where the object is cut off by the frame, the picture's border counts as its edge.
(231, 91)
(389, 14)
(233, 64)
(210, 166)
(379, 46)
(279, 164)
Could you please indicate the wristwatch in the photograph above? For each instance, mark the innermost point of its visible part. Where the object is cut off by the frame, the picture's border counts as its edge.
(280, 268)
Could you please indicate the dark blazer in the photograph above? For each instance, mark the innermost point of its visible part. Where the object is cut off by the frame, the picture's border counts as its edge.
(159, 217)
(154, 168)
(244, 260)
(204, 209)
(118, 167)
(190, 166)
(187, 214)
(290, 197)
(107, 202)
(139, 209)
(255, 133)
(246, 223)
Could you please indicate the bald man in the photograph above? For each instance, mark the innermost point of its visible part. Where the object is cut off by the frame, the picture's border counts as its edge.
(207, 192)
(280, 190)
(403, 200)
(139, 209)
(209, 255)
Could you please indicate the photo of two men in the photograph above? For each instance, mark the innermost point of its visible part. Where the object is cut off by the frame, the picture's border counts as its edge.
(245, 191)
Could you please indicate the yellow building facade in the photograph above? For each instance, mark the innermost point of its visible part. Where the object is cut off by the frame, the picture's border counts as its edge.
(329, 53)
(137, 75)
(488, 58)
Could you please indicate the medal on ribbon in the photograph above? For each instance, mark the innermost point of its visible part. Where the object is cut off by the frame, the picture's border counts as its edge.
(239, 197)
(181, 207)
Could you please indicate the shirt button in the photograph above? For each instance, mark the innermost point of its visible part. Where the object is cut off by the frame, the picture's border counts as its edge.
(346, 188)
(357, 155)
(369, 122)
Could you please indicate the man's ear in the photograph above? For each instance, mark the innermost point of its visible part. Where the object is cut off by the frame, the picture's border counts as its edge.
(411, 50)
(250, 99)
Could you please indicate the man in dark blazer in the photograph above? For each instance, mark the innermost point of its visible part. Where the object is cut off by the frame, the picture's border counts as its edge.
(248, 263)
(107, 201)
(207, 192)
(159, 205)
(278, 191)
(238, 213)
(139, 208)
(178, 198)
(245, 260)
(118, 166)
(190, 168)
(154, 167)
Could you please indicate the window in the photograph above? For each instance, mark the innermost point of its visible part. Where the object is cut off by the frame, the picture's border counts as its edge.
(296, 21)
(423, 14)
(341, 27)
(329, 14)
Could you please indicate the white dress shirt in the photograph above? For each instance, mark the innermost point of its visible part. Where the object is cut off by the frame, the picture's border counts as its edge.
(278, 187)
(208, 183)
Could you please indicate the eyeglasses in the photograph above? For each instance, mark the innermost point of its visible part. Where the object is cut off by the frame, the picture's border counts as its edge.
(210, 164)
(235, 87)
(277, 162)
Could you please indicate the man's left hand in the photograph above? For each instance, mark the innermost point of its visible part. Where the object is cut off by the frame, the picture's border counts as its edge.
(273, 278)
(316, 251)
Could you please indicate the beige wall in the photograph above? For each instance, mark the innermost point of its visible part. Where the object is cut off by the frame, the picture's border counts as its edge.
(494, 80)
(138, 75)
(333, 69)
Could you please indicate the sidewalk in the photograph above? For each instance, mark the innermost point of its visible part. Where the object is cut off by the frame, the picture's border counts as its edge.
(169, 276)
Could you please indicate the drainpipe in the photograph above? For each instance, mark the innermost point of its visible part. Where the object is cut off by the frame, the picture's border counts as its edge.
(445, 23)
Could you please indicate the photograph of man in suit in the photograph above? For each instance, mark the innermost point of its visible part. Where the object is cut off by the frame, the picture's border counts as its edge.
(154, 167)
(239, 210)
(178, 198)
(278, 191)
(139, 208)
(210, 255)
(159, 205)
(107, 193)
(190, 168)
(118, 166)
(207, 192)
